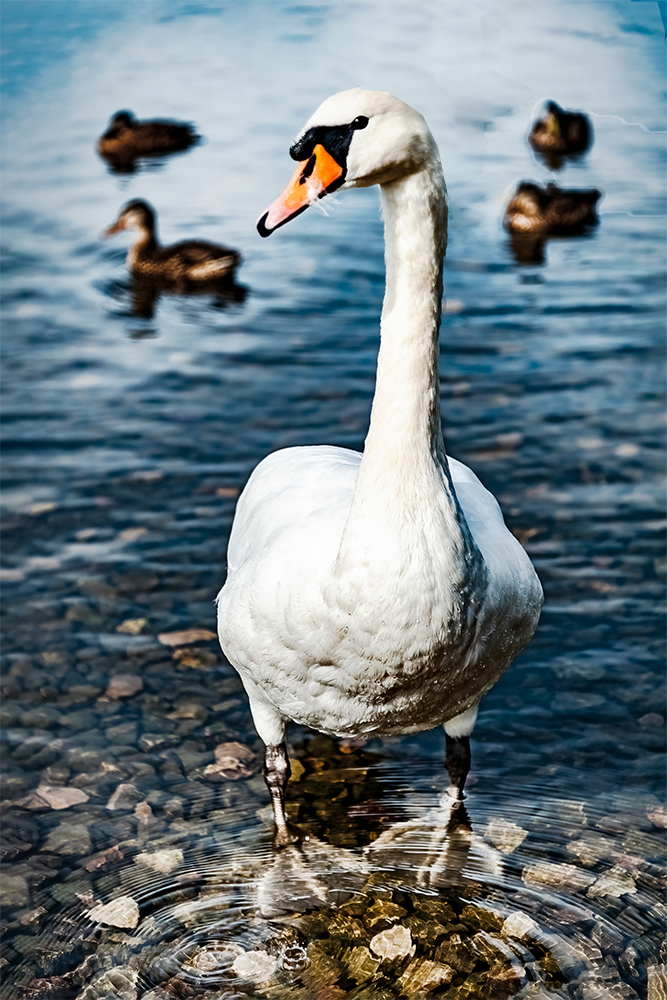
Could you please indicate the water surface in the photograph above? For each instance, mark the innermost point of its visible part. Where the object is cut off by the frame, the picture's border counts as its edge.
(129, 433)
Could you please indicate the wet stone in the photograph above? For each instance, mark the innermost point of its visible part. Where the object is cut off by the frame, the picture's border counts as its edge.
(255, 966)
(556, 876)
(423, 975)
(360, 964)
(124, 686)
(69, 838)
(120, 912)
(392, 944)
(505, 835)
(161, 861)
(14, 891)
(615, 882)
(126, 796)
(382, 914)
(520, 925)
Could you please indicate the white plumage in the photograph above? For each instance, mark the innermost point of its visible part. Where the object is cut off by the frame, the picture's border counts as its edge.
(376, 594)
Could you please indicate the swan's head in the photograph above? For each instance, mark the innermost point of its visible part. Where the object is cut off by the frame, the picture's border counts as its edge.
(355, 139)
(137, 214)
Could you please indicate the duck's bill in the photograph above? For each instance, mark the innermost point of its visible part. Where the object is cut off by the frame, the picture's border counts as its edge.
(312, 179)
(116, 228)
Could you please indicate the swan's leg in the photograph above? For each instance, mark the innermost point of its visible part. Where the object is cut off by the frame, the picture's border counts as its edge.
(276, 773)
(457, 754)
(457, 762)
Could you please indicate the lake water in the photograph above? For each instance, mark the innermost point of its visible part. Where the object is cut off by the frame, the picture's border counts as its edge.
(127, 439)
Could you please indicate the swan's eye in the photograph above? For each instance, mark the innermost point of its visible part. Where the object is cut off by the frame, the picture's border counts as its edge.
(361, 121)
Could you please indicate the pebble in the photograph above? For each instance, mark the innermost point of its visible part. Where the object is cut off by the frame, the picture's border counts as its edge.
(424, 975)
(125, 796)
(232, 761)
(124, 686)
(109, 857)
(564, 877)
(255, 966)
(161, 861)
(505, 835)
(393, 943)
(69, 838)
(520, 925)
(122, 912)
(658, 816)
(197, 659)
(185, 636)
(132, 626)
(615, 882)
(53, 797)
(14, 891)
(657, 982)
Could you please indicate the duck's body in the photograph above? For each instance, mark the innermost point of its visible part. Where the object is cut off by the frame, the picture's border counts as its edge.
(375, 594)
(551, 210)
(561, 133)
(127, 139)
(194, 261)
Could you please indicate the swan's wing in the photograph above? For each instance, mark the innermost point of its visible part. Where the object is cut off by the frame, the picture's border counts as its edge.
(513, 582)
(292, 489)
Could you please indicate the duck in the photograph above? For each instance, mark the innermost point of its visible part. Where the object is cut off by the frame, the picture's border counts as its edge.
(551, 210)
(560, 133)
(127, 139)
(380, 593)
(181, 264)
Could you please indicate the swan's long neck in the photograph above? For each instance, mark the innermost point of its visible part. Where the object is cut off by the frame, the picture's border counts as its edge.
(405, 433)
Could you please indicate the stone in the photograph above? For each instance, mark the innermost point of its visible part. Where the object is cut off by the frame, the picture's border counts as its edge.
(255, 966)
(393, 943)
(658, 816)
(121, 912)
(505, 835)
(615, 882)
(196, 659)
(184, 637)
(556, 876)
(232, 761)
(161, 861)
(591, 848)
(360, 963)
(125, 796)
(480, 916)
(424, 975)
(657, 982)
(383, 913)
(132, 626)
(69, 838)
(111, 856)
(14, 891)
(520, 925)
(124, 686)
(60, 797)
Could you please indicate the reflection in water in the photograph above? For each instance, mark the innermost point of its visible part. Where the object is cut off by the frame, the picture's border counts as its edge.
(535, 214)
(144, 294)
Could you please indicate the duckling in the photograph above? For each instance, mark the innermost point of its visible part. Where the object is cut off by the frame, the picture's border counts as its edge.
(194, 261)
(126, 140)
(560, 133)
(551, 211)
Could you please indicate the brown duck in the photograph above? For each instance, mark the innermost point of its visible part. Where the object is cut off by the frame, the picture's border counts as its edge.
(126, 140)
(551, 211)
(192, 261)
(560, 133)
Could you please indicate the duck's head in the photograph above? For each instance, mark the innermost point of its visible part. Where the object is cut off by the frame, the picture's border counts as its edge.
(137, 214)
(122, 119)
(355, 139)
(553, 118)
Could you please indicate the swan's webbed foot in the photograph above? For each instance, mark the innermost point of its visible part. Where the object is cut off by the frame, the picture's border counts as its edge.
(276, 774)
(457, 762)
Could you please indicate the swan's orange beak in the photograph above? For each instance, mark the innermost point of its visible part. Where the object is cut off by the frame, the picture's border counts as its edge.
(313, 178)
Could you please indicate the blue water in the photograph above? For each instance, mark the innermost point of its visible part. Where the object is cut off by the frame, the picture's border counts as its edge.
(127, 437)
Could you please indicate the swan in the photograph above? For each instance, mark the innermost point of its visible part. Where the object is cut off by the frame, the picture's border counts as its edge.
(381, 593)
(189, 261)
(127, 139)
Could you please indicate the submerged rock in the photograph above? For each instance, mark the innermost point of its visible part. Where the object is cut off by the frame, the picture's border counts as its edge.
(422, 975)
(255, 966)
(520, 925)
(14, 891)
(393, 943)
(505, 835)
(615, 882)
(69, 838)
(554, 876)
(126, 796)
(120, 912)
(161, 861)
(124, 686)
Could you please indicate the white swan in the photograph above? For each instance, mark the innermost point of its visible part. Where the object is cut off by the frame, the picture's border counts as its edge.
(375, 594)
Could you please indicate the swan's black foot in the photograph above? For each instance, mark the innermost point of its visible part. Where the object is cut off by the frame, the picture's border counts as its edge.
(457, 762)
(276, 774)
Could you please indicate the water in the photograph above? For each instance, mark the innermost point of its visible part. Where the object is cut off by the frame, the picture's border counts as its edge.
(128, 437)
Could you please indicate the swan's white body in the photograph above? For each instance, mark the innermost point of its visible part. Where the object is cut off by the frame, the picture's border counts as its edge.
(377, 594)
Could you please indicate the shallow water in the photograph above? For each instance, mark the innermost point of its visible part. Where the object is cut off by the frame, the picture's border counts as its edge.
(128, 437)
